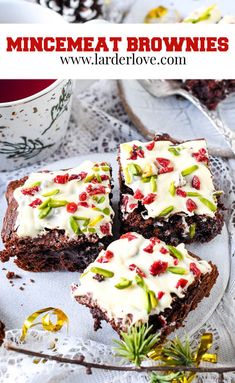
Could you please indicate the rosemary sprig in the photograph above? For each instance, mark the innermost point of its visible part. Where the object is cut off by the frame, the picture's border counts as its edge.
(136, 343)
(179, 353)
(159, 378)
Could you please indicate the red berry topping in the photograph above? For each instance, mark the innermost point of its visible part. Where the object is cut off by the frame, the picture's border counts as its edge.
(181, 283)
(168, 169)
(136, 151)
(105, 229)
(83, 204)
(83, 196)
(158, 267)
(95, 190)
(150, 198)
(164, 162)
(195, 270)
(129, 236)
(36, 202)
(163, 250)
(151, 145)
(154, 240)
(201, 155)
(138, 194)
(133, 206)
(106, 258)
(61, 179)
(133, 267)
(191, 205)
(149, 248)
(181, 193)
(160, 294)
(71, 207)
(176, 261)
(30, 191)
(104, 177)
(196, 184)
(78, 177)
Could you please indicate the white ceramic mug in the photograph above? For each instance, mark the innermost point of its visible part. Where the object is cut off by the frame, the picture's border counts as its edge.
(32, 128)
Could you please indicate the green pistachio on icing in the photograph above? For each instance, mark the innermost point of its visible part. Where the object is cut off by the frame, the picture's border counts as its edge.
(51, 193)
(57, 203)
(128, 176)
(105, 273)
(192, 230)
(172, 189)
(145, 179)
(38, 183)
(175, 252)
(89, 178)
(147, 302)
(84, 219)
(177, 270)
(95, 220)
(105, 168)
(106, 211)
(208, 204)
(188, 171)
(193, 194)
(134, 169)
(174, 150)
(123, 284)
(217, 193)
(91, 230)
(101, 199)
(153, 299)
(44, 212)
(166, 211)
(74, 225)
(153, 183)
(140, 282)
(44, 204)
(97, 176)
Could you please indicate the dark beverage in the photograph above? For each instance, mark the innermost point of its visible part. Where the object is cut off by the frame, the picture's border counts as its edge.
(13, 90)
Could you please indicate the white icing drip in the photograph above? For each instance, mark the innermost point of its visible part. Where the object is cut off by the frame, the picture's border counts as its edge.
(119, 303)
(185, 160)
(28, 222)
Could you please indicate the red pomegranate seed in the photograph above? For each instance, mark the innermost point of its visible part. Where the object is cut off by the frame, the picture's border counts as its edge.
(95, 190)
(181, 283)
(201, 155)
(137, 151)
(83, 196)
(168, 169)
(140, 272)
(104, 177)
(196, 184)
(191, 205)
(133, 206)
(106, 258)
(151, 145)
(176, 261)
(181, 193)
(149, 199)
(83, 204)
(158, 267)
(71, 207)
(149, 248)
(30, 191)
(36, 202)
(160, 295)
(105, 229)
(154, 240)
(164, 162)
(138, 194)
(195, 270)
(129, 236)
(61, 179)
(163, 250)
(78, 177)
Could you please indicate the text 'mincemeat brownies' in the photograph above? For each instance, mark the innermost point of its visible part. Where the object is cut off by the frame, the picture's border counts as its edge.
(58, 220)
(167, 190)
(138, 280)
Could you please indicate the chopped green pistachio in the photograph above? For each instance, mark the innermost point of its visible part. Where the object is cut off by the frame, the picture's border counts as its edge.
(74, 225)
(188, 171)
(123, 284)
(96, 168)
(153, 299)
(44, 204)
(177, 270)
(105, 168)
(97, 176)
(38, 183)
(91, 230)
(217, 193)
(128, 176)
(51, 193)
(175, 252)
(85, 219)
(104, 272)
(89, 178)
(96, 220)
(166, 211)
(147, 302)
(208, 203)
(140, 282)
(148, 171)
(153, 183)
(202, 17)
(106, 211)
(101, 199)
(44, 212)
(57, 203)
(174, 150)
(172, 189)
(192, 230)
(134, 169)
(145, 179)
(193, 194)
(83, 274)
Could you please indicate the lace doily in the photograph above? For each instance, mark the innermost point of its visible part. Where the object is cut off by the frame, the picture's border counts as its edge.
(98, 124)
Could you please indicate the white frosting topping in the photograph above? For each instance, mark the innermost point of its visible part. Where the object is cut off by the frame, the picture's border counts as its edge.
(171, 179)
(82, 191)
(120, 303)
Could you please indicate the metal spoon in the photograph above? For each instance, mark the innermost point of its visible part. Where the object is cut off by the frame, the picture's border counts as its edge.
(165, 88)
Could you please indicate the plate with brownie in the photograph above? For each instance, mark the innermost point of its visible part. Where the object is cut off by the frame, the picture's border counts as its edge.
(152, 247)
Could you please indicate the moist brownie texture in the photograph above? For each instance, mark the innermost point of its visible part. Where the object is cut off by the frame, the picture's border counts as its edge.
(210, 92)
(167, 190)
(58, 220)
(138, 280)
(2, 332)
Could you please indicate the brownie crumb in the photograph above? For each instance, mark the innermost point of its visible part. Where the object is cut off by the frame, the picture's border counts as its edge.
(99, 278)
(12, 275)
